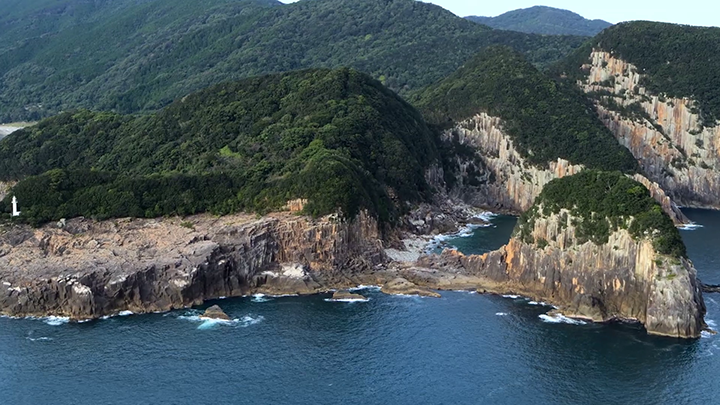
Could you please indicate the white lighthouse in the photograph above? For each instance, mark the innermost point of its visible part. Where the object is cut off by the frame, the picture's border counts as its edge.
(15, 212)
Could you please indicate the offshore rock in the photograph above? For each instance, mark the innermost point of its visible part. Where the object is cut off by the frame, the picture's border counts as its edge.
(91, 269)
(667, 136)
(623, 279)
(215, 312)
(345, 295)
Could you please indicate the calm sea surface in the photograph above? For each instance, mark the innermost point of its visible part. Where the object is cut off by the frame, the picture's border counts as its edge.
(461, 349)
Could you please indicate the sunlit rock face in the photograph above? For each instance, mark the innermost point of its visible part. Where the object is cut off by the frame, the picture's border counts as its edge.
(89, 269)
(623, 279)
(666, 135)
(499, 178)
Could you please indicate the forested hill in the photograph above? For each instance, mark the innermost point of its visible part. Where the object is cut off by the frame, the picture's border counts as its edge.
(545, 119)
(335, 137)
(677, 60)
(139, 55)
(544, 20)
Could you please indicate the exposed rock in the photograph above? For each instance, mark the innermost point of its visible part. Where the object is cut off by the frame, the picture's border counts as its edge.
(623, 279)
(401, 286)
(674, 147)
(215, 312)
(501, 179)
(91, 269)
(345, 295)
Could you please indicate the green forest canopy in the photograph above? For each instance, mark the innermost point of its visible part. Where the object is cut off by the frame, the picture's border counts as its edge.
(546, 119)
(335, 137)
(678, 60)
(131, 56)
(600, 203)
(544, 20)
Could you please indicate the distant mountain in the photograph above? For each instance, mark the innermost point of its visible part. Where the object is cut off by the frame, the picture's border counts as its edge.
(544, 20)
(140, 55)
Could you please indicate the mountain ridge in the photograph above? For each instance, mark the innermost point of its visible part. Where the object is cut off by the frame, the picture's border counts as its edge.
(543, 20)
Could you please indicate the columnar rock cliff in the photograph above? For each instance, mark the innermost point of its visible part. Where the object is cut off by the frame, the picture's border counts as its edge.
(91, 269)
(667, 136)
(623, 279)
(498, 177)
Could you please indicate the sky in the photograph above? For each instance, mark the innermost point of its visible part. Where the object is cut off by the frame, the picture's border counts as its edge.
(693, 12)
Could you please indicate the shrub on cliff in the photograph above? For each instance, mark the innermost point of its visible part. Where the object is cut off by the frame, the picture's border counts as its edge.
(600, 203)
(545, 119)
(335, 137)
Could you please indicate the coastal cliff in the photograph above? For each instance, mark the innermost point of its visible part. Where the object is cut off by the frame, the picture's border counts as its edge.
(89, 269)
(667, 136)
(496, 176)
(624, 279)
(598, 247)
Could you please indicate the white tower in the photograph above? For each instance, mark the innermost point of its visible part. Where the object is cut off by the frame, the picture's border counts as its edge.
(15, 212)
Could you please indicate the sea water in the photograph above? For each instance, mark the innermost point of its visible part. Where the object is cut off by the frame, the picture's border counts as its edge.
(461, 349)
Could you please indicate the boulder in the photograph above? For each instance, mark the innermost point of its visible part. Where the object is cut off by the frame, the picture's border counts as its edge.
(215, 312)
(345, 295)
(401, 286)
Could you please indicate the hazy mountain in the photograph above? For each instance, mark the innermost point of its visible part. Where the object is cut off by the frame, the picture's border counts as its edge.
(544, 20)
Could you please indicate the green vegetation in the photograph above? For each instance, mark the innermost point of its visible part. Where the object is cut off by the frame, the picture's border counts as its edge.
(335, 137)
(544, 20)
(679, 61)
(545, 119)
(138, 56)
(601, 203)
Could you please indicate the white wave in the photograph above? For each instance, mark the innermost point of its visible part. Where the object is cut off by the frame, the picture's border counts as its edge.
(347, 300)
(706, 334)
(210, 323)
(540, 303)
(126, 313)
(711, 323)
(501, 313)
(260, 298)
(511, 296)
(40, 339)
(558, 318)
(283, 295)
(365, 287)
(55, 320)
(690, 227)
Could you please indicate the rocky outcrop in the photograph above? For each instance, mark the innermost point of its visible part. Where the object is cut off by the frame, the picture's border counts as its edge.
(499, 178)
(215, 312)
(666, 135)
(623, 279)
(345, 295)
(91, 269)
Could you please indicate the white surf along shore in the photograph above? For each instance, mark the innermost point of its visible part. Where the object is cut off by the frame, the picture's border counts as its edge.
(416, 245)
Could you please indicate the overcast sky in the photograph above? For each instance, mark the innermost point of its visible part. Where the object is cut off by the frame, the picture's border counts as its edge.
(694, 12)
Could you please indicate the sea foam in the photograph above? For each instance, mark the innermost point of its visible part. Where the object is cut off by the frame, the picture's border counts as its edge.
(690, 227)
(558, 318)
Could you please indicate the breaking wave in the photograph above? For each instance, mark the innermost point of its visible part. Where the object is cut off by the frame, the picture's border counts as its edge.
(558, 318)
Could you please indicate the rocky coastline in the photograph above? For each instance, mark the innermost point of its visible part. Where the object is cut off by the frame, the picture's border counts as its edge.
(86, 269)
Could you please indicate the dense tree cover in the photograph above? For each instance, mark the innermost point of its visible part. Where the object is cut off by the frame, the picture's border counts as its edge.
(335, 137)
(544, 20)
(140, 55)
(601, 203)
(545, 119)
(678, 60)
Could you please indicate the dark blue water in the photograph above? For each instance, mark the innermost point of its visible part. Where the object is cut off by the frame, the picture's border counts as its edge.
(461, 349)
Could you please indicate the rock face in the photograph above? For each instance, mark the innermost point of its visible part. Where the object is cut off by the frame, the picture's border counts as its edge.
(90, 269)
(499, 178)
(623, 279)
(666, 135)
(215, 312)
